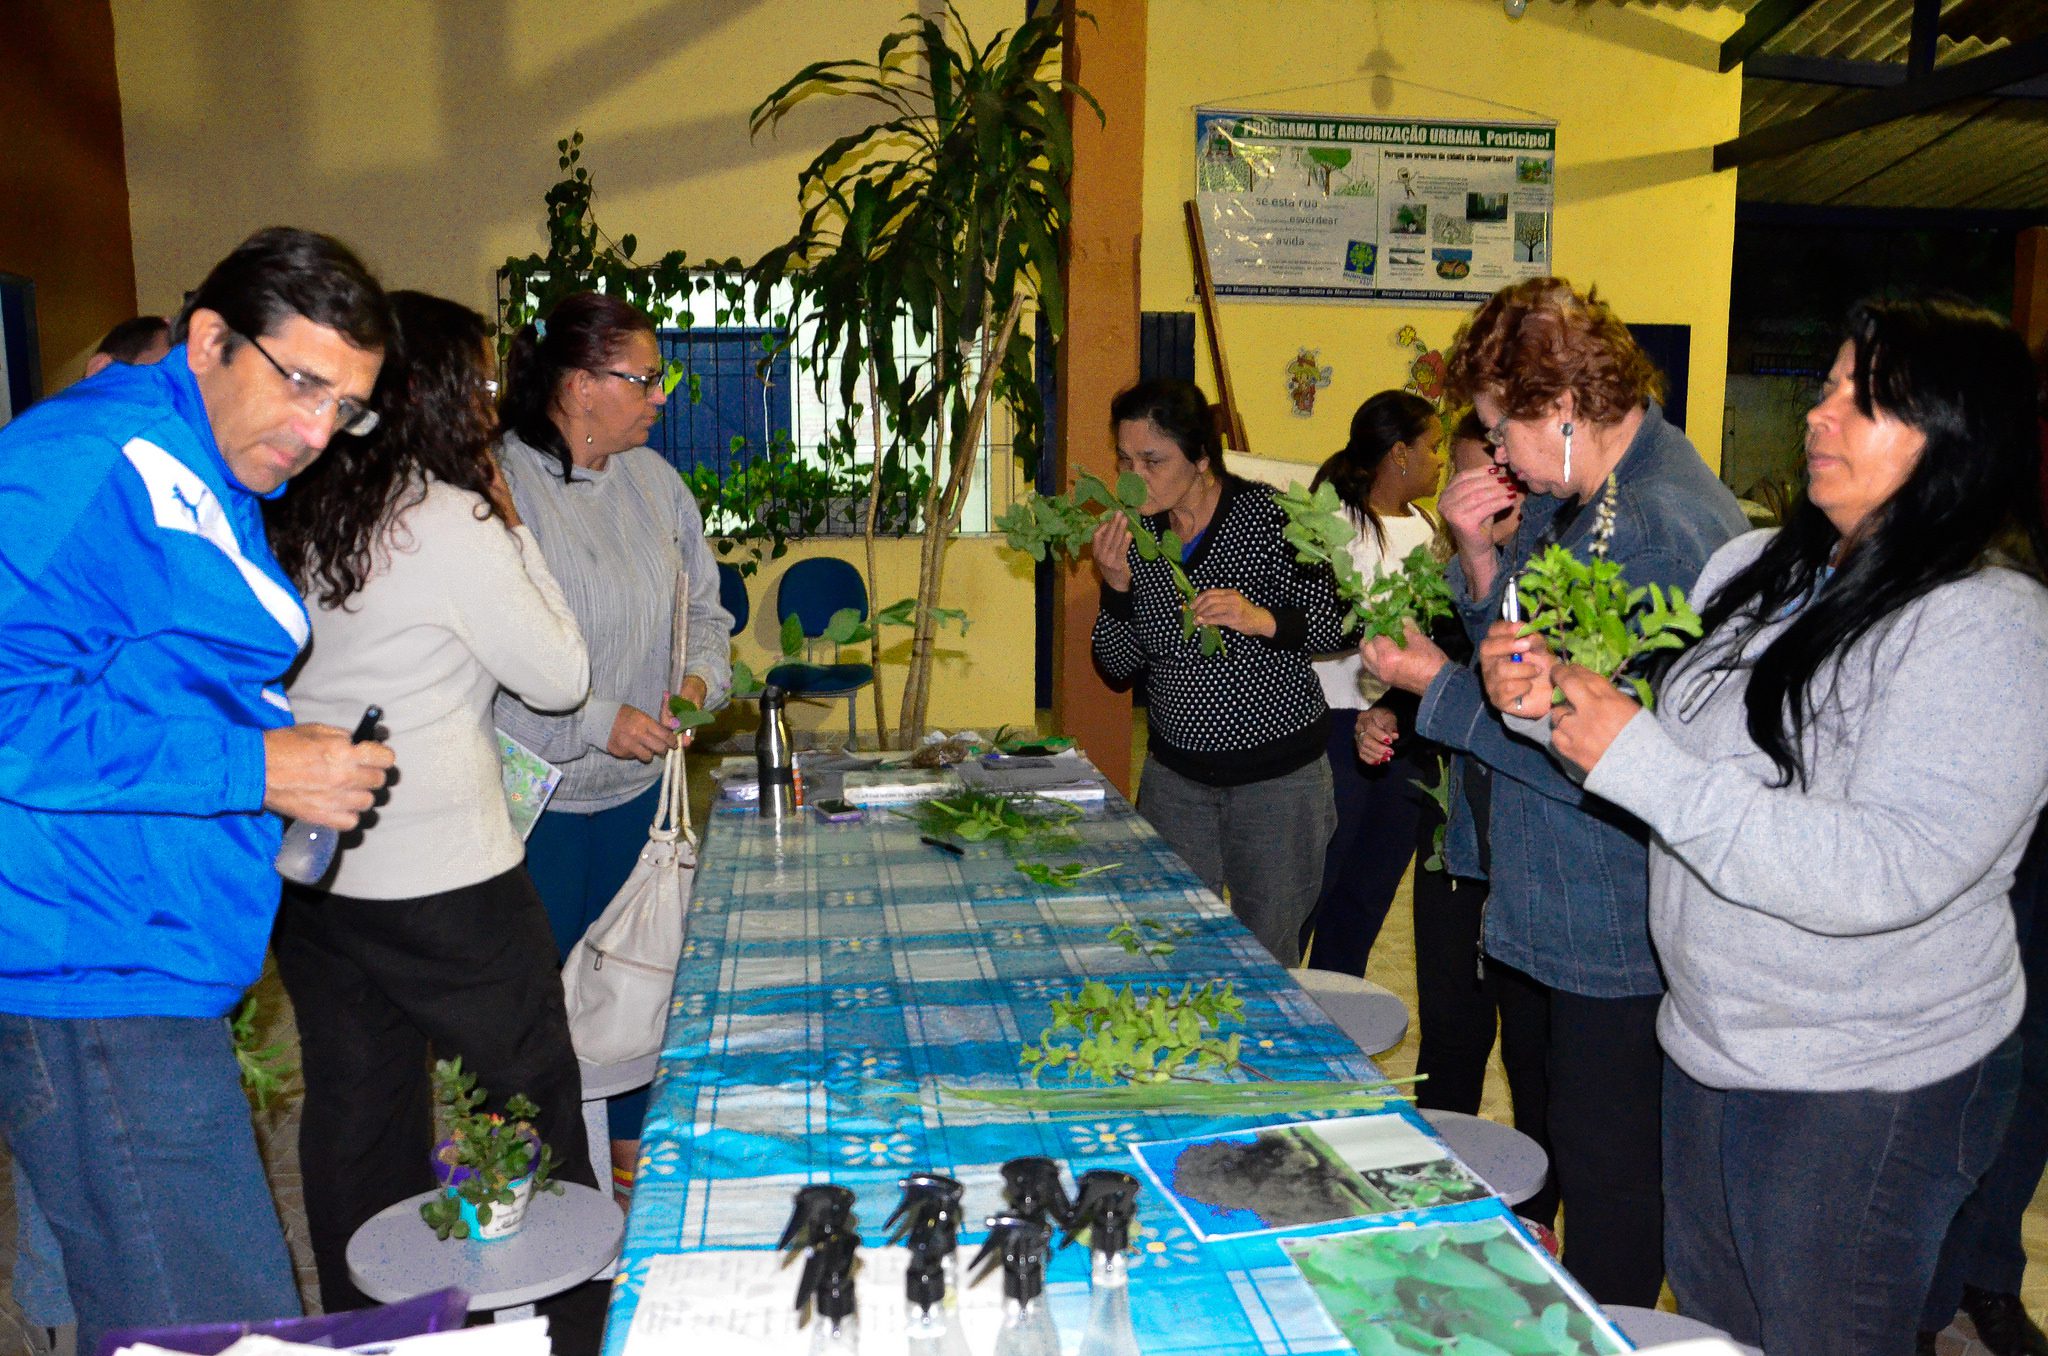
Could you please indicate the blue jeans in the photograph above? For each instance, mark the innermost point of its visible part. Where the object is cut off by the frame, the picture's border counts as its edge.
(38, 1263)
(1808, 1223)
(1983, 1246)
(577, 863)
(135, 1137)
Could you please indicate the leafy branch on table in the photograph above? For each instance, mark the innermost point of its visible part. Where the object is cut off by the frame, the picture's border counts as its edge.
(1064, 525)
(1149, 937)
(1119, 1034)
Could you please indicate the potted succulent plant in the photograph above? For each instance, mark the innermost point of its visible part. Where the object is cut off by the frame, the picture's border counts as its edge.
(489, 1165)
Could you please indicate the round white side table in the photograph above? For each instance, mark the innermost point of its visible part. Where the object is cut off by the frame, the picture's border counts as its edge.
(566, 1240)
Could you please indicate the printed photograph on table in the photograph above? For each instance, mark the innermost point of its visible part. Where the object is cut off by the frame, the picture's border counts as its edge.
(1309, 1173)
(1480, 1282)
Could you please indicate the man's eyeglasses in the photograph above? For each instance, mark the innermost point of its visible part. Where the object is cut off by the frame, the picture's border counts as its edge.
(648, 382)
(315, 396)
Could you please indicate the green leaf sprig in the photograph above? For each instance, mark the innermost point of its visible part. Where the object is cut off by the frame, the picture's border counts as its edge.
(1124, 1036)
(1441, 795)
(978, 816)
(687, 715)
(1592, 617)
(1321, 530)
(1065, 876)
(1263, 1099)
(1063, 525)
(1148, 938)
(848, 627)
(265, 1069)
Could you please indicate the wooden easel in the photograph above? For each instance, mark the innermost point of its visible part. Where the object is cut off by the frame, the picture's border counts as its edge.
(1229, 422)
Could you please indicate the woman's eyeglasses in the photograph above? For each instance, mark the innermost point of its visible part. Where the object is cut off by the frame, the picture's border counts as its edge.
(648, 382)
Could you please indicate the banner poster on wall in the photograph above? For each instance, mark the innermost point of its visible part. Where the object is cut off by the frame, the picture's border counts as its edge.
(1328, 207)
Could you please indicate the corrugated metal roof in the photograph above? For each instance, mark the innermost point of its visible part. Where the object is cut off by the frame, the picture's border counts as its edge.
(1980, 153)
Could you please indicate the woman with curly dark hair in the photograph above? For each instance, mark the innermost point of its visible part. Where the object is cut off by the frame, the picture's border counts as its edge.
(1569, 403)
(428, 595)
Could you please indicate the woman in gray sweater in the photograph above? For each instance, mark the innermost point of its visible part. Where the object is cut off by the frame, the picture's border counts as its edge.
(1840, 778)
(620, 531)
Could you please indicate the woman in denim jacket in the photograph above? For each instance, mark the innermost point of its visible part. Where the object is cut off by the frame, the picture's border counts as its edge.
(1569, 404)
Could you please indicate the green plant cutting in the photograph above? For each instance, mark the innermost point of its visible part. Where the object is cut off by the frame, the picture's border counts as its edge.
(1590, 615)
(1147, 937)
(978, 816)
(264, 1068)
(1124, 1036)
(1064, 525)
(1065, 876)
(1440, 794)
(1321, 531)
(1190, 1096)
(484, 1153)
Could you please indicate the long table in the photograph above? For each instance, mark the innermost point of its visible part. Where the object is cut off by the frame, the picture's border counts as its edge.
(830, 968)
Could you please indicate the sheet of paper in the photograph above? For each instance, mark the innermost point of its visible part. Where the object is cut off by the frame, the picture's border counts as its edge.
(1306, 1173)
(742, 1303)
(529, 780)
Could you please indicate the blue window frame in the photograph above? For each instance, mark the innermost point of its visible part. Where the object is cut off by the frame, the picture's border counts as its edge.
(736, 399)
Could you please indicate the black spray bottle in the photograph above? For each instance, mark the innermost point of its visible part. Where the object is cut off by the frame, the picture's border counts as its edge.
(827, 1287)
(1023, 1245)
(1033, 1189)
(927, 1221)
(1105, 1204)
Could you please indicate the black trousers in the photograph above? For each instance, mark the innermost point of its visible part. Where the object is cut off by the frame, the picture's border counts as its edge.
(376, 983)
(1458, 1009)
(1602, 1086)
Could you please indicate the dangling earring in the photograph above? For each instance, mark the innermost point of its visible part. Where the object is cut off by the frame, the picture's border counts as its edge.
(1567, 426)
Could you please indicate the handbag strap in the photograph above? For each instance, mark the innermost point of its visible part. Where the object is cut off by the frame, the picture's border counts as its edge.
(672, 811)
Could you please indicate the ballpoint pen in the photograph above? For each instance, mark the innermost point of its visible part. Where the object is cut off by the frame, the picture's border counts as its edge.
(1511, 610)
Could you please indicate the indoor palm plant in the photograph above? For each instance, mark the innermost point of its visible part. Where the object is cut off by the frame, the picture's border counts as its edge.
(490, 1163)
(933, 231)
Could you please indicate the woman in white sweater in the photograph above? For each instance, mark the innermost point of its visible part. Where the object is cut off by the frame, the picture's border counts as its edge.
(427, 596)
(1391, 460)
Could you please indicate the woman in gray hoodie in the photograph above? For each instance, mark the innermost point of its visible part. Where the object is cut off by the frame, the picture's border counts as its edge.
(1840, 778)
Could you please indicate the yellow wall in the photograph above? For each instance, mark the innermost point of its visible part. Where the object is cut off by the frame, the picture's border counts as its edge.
(423, 132)
(1637, 102)
(983, 679)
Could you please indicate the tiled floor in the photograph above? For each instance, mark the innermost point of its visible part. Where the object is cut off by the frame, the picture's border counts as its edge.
(1393, 964)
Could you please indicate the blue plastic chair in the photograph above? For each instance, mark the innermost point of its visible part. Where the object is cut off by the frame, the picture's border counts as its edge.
(812, 591)
(732, 595)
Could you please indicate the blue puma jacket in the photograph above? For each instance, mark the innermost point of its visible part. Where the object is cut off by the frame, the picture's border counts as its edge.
(144, 631)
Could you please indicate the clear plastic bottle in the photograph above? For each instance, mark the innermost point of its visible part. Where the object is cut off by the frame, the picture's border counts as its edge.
(1104, 1206)
(929, 1216)
(308, 849)
(1023, 1245)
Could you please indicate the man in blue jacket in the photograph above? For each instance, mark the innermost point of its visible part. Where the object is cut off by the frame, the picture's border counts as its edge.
(147, 755)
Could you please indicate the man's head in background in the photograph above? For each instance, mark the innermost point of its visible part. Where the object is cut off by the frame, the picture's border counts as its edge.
(140, 341)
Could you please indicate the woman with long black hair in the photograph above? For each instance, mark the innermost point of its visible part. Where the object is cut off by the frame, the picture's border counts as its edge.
(427, 595)
(1390, 461)
(1840, 778)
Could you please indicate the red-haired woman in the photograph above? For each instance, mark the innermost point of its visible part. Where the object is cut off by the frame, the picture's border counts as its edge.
(1569, 403)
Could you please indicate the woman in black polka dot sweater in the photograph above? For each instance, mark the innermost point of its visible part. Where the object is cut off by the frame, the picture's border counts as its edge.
(1235, 779)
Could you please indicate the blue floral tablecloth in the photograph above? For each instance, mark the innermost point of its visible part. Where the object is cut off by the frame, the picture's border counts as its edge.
(835, 973)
